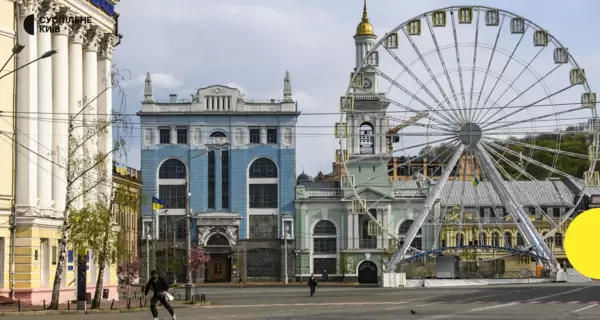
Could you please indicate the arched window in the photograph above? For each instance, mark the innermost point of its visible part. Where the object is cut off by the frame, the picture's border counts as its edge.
(558, 240)
(520, 240)
(218, 134)
(171, 184)
(483, 238)
(417, 242)
(172, 169)
(366, 139)
(508, 239)
(324, 247)
(460, 239)
(263, 168)
(496, 239)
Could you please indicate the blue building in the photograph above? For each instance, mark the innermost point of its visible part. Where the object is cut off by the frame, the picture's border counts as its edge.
(239, 157)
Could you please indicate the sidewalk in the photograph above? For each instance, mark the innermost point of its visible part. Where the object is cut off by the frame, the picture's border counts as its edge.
(138, 287)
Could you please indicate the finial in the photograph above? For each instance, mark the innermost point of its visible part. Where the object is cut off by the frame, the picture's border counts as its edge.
(287, 88)
(148, 95)
(302, 169)
(365, 18)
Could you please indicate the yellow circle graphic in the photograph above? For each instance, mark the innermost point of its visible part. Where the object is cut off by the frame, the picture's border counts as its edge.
(582, 243)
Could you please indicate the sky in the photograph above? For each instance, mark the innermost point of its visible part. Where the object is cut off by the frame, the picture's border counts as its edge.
(190, 44)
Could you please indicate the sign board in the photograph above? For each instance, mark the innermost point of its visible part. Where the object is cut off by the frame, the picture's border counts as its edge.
(105, 5)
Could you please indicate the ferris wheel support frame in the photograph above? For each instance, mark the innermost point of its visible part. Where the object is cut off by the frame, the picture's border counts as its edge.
(431, 198)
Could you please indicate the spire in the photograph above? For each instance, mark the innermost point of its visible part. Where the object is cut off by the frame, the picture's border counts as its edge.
(365, 17)
(365, 28)
(287, 88)
(148, 95)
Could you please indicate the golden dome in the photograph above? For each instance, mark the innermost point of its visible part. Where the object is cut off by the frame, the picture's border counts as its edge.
(365, 28)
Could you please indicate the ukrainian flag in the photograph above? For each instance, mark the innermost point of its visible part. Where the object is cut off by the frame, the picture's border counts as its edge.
(474, 181)
(121, 169)
(157, 203)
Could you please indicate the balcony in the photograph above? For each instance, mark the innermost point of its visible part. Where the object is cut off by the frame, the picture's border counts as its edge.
(323, 192)
(367, 244)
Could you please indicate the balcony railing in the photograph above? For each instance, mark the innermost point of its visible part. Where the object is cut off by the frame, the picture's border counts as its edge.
(367, 244)
(323, 192)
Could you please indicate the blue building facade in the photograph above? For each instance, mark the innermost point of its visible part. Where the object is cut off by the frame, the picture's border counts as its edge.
(239, 158)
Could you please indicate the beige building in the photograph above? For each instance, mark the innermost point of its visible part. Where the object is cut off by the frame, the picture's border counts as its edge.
(33, 186)
(128, 217)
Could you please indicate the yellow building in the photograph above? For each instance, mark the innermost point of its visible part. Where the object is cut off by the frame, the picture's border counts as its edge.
(33, 186)
(7, 106)
(128, 217)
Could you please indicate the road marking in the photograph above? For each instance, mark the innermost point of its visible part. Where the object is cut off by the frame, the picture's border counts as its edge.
(559, 294)
(493, 307)
(306, 304)
(395, 308)
(573, 302)
(553, 302)
(585, 308)
(494, 295)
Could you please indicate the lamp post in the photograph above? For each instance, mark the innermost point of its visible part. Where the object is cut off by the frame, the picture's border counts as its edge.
(189, 286)
(13, 224)
(286, 231)
(148, 237)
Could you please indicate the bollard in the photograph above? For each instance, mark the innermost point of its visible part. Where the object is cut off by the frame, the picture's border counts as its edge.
(69, 305)
(145, 302)
(179, 295)
(112, 304)
(140, 302)
(129, 303)
(19, 305)
(44, 304)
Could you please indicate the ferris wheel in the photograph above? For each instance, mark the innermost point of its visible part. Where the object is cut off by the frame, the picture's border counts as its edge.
(494, 106)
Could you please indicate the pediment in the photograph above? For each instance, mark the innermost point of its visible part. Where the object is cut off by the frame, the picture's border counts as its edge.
(218, 90)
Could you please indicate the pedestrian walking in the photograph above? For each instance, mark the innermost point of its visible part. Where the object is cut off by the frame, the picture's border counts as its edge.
(312, 283)
(160, 289)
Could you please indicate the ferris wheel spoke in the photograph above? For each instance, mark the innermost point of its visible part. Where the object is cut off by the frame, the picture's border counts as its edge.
(420, 145)
(406, 91)
(416, 79)
(446, 196)
(508, 124)
(439, 52)
(531, 160)
(437, 83)
(513, 208)
(538, 81)
(534, 147)
(525, 68)
(446, 125)
(460, 75)
(474, 64)
(421, 125)
(510, 58)
(489, 65)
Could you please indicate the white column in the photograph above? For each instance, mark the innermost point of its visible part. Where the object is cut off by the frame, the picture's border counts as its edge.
(356, 231)
(105, 142)
(350, 226)
(91, 45)
(26, 133)
(44, 174)
(60, 107)
(75, 100)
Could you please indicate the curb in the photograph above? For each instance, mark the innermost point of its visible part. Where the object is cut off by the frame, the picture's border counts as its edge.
(104, 311)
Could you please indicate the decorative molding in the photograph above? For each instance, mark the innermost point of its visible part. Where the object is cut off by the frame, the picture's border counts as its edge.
(4, 32)
(92, 39)
(239, 136)
(48, 10)
(28, 7)
(65, 25)
(107, 45)
(78, 32)
(287, 136)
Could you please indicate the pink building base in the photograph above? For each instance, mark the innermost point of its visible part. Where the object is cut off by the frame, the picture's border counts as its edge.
(37, 296)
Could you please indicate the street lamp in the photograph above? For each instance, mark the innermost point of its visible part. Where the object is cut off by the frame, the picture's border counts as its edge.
(148, 238)
(16, 50)
(189, 286)
(286, 232)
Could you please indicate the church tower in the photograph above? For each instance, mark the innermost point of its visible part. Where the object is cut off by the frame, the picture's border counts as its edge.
(365, 128)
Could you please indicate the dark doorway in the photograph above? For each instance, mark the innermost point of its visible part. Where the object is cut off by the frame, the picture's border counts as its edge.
(367, 272)
(219, 268)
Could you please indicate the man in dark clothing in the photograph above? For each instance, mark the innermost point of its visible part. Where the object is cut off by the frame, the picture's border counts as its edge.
(159, 287)
(312, 283)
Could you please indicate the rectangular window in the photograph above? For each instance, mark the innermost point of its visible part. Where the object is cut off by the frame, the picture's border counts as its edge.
(165, 135)
(172, 195)
(54, 254)
(263, 227)
(324, 265)
(325, 245)
(167, 225)
(182, 136)
(556, 212)
(263, 196)
(272, 135)
(211, 180)
(402, 171)
(391, 168)
(255, 135)
(532, 211)
(225, 179)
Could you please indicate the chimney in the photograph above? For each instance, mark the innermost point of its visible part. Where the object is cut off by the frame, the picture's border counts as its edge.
(172, 98)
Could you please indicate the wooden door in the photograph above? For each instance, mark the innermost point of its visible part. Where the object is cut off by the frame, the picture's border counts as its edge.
(217, 268)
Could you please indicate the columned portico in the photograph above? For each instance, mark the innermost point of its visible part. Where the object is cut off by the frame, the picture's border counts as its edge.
(104, 106)
(218, 233)
(27, 104)
(44, 41)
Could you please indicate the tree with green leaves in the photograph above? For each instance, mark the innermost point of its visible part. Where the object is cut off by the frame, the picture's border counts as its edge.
(345, 264)
(81, 165)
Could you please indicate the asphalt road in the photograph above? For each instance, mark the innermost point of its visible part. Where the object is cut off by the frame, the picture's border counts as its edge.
(514, 302)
